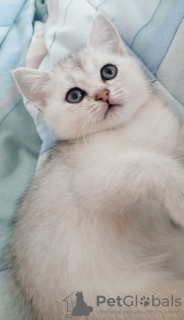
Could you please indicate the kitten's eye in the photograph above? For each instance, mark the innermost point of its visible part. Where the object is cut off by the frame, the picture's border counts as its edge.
(75, 95)
(108, 72)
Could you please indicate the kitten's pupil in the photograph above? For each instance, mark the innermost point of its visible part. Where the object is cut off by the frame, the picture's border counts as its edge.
(109, 71)
(74, 95)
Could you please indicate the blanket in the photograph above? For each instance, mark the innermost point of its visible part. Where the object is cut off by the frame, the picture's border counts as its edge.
(31, 36)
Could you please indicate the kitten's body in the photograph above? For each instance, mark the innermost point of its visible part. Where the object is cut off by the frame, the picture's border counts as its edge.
(97, 217)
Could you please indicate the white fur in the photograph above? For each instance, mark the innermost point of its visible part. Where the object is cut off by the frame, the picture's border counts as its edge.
(97, 217)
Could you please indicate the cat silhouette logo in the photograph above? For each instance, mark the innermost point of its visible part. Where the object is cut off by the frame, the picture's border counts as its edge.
(76, 306)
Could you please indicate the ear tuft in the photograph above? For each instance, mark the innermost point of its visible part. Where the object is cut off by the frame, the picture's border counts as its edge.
(33, 84)
(104, 36)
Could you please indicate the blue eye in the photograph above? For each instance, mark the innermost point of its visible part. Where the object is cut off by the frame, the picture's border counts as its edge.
(75, 95)
(108, 72)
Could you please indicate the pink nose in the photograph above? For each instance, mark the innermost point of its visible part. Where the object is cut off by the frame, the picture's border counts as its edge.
(103, 95)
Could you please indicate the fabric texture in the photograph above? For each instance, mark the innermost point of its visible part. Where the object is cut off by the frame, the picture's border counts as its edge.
(152, 30)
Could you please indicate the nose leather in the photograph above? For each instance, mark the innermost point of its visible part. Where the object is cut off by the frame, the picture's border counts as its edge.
(103, 95)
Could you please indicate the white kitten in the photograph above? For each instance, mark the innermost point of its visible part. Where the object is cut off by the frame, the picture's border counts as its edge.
(97, 217)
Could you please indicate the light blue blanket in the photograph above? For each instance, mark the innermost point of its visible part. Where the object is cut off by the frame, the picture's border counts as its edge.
(153, 30)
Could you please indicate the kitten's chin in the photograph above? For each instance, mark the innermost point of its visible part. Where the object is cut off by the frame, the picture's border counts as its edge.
(112, 108)
(116, 116)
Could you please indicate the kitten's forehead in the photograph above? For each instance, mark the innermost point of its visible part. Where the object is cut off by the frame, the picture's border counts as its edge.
(83, 69)
(80, 70)
(81, 62)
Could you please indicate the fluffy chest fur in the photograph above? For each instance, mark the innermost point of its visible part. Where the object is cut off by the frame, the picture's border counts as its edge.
(78, 216)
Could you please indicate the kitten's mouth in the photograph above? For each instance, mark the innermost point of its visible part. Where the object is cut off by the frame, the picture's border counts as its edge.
(111, 108)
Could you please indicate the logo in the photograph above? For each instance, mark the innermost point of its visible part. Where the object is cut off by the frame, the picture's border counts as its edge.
(135, 301)
(145, 301)
(76, 306)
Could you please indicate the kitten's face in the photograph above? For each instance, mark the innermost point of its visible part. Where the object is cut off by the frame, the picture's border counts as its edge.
(95, 103)
(97, 89)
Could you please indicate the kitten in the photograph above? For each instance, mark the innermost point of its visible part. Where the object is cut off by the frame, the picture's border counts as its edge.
(97, 217)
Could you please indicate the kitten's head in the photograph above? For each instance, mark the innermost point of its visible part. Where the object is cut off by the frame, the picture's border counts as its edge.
(96, 89)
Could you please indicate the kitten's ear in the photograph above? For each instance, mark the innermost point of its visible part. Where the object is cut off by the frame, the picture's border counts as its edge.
(33, 84)
(104, 36)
